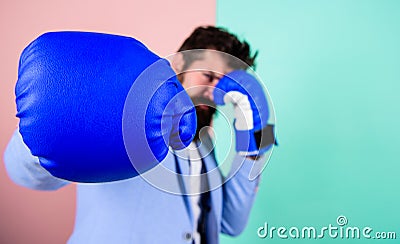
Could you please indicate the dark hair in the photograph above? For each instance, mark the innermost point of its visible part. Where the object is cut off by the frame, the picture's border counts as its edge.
(217, 38)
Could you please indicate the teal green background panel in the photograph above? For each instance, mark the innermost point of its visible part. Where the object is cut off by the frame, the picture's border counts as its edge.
(332, 69)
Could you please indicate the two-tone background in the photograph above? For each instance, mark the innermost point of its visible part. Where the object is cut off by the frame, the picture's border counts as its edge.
(332, 70)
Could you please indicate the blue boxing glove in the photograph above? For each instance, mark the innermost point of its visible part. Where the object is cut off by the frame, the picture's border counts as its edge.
(254, 135)
(98, 107)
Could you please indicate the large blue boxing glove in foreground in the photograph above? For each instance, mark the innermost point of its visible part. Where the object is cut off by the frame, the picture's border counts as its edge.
(82, 97)
(254, 135)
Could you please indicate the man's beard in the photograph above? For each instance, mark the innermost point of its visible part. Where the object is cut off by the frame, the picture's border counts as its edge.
(205, 110)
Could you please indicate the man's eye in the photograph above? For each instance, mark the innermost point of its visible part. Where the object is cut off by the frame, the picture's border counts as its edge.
(209, 77)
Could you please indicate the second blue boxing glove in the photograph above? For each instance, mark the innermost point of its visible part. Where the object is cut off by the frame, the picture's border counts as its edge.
(254, 135)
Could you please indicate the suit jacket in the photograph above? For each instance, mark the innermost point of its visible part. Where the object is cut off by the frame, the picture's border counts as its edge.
(146, 209)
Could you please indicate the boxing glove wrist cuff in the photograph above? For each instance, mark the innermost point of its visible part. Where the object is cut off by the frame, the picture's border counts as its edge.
(253, 143)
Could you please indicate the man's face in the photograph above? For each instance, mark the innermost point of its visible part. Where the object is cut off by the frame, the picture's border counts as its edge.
(199, 82)
(202, 75)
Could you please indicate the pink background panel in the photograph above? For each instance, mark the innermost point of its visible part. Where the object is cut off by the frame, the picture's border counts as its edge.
(28, 216)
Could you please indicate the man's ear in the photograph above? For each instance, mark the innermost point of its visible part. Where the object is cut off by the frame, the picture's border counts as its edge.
(177, 63)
